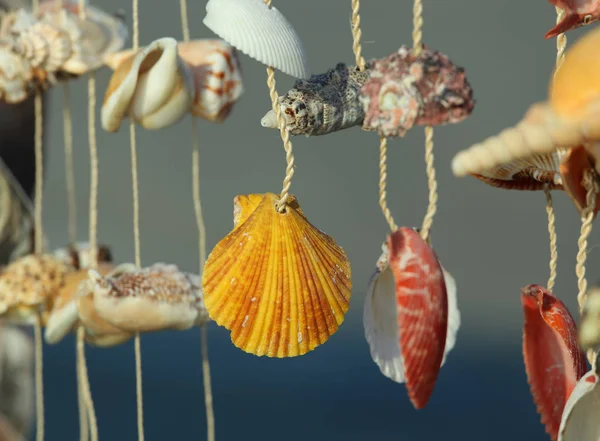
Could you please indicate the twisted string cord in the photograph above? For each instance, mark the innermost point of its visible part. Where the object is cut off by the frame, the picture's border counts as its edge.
(208, 396)
(356, 34)
(587, 216)
(382, 183)
(561, 45)
(285, 137)
(553, 239)
(136, 236)
(417, 36)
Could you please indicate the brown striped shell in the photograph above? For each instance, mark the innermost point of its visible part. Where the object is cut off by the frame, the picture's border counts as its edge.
(531, 173)
(278, 283)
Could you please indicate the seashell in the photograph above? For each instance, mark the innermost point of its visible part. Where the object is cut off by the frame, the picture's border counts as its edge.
(16, 218)
(279, 284)
(553, 360)
(27, 284)
(570, 116)
(532, 173)
(46, 47)
(154, 86)
(259, 31)
(217, 77)
(380, 319)
(577, 13)
(421, 314)
(78, 255)
(16, 75)
(579, 420)
(572, 169)
(155, 298)
(16, 381)
(404, 90)
(62, 314)
(323, 104)
(589, 328)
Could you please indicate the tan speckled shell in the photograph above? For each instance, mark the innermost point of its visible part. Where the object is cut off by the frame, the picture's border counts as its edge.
(278, 283)
(155, 298)
(27, 284)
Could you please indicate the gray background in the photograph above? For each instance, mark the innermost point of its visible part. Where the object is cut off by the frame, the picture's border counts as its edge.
(492, 241)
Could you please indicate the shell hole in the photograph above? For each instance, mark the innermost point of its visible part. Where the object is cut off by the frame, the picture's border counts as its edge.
(150, 60)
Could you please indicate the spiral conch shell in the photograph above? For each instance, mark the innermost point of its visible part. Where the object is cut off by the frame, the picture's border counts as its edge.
(154, 87)
(280, 285)
(570, 116)
(259, 31)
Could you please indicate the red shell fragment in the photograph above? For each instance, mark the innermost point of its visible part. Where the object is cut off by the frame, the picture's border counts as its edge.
(422, 311)
(577, 13)
(404, 90)
(554, 362)
(572, 168)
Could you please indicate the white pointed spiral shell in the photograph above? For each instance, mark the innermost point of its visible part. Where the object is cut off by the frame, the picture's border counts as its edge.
(259, 31)
(154, 86)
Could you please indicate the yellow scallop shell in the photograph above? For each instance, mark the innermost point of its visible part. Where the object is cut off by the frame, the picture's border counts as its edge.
(279, 284)
(576, 83)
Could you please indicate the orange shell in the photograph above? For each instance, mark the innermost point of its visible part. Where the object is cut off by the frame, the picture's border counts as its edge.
(575, 85)
(278, 283)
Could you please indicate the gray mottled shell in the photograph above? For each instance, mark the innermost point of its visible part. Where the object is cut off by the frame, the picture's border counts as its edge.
(323, 104)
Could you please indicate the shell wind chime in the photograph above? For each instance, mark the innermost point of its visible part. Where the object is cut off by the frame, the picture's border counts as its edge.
(411, 316)
(278, 283)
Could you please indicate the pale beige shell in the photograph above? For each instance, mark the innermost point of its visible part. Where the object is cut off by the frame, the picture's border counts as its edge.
(62, 315)
(78, 255)
(532, 173)
(154, 86)
(540, 132)
(16, 76)
(46, 47)
(155, 298)
(217, 77)
(27, 284)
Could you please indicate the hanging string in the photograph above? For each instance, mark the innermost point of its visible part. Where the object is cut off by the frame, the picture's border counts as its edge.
(285, 136)
(38, 248)
(208, 397)
(561, 45)
(69, 167)
(356, 34)
(136, 236)
(553, 239)
(417, 36)
(382, 184)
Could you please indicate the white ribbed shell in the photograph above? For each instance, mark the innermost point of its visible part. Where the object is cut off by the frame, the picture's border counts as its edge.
(260, 32)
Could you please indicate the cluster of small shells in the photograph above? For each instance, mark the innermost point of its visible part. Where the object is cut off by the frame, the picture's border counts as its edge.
(38, 50)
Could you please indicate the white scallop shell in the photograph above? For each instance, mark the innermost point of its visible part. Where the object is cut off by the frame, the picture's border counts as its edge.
(260, 32)
(155, 86)
(580, 420)
(381, 325)
(217, 77)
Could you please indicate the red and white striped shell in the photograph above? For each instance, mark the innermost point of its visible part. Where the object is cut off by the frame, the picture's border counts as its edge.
(411, 316)
(553, 359)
